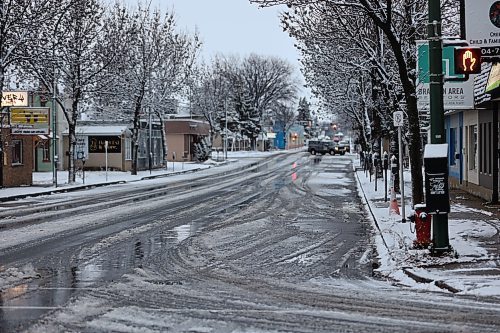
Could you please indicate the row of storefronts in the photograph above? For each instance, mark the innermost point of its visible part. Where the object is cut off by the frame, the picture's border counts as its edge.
(473, 138)
(99, 144)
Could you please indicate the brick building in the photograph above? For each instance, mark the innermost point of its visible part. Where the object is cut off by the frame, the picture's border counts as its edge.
(17, 159)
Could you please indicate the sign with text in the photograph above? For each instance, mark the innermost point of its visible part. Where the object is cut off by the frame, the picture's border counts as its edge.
(14, 98)
(457, 95)
(82, 146)
(398, 118)
(482, 24)
(97, 144)
(30, 121)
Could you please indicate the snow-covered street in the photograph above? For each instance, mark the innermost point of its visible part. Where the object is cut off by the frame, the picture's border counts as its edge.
(279, 253)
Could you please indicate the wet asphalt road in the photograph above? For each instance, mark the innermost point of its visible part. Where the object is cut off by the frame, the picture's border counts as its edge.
(280, 247)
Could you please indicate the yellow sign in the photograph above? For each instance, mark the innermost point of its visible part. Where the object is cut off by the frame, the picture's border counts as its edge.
(30, 120)
(29, 116)
(14, 98)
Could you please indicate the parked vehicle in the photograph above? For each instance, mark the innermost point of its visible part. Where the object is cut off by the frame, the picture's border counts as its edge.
(321, 147)
(345, 146)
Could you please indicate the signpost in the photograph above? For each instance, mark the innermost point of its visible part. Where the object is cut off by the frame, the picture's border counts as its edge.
(399, 122)
(441, 242)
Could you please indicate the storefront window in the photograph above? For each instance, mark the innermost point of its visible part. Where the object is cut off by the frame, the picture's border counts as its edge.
(128, 149)
(17, 152)
(473, 147)
(46, 152)
(453, 145)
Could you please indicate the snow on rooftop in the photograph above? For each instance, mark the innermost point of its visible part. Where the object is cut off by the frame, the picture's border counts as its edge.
(100, 130)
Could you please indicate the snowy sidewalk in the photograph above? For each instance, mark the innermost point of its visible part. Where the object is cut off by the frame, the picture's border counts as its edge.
(473, 268)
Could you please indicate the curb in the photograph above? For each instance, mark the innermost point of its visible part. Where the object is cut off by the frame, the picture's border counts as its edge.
(440, 284)
(90, 186)
(59, 190)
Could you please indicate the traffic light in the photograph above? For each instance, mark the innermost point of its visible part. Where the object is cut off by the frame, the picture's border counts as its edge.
(467, 60)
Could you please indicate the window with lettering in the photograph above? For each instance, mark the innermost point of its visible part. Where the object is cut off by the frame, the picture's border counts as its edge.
(97, 144)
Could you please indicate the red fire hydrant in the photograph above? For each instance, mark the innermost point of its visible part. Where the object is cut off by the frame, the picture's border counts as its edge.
(422, 227)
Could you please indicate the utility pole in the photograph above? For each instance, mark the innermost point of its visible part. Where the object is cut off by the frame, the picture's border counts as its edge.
(439, 221)
(150, 141)
(3, 114)
(225, 131)
(54, 130)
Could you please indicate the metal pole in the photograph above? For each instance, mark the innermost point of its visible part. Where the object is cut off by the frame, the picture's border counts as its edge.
(439, 221)
(401, 176)
(225, 133)
(2, 115)
(54, 131)
(385, 182)
(106, 154)
(150, 145)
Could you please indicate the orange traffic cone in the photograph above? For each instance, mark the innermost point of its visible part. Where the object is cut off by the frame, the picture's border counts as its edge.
(393, 206)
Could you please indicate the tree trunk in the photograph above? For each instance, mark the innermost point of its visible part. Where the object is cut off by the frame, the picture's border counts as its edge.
(135, 135)
(69, 156)
(415, 152)
(163, 139)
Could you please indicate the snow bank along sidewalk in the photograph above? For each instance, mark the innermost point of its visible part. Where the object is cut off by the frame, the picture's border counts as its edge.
(474, 233)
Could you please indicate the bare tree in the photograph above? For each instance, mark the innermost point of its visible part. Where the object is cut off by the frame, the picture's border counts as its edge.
(70, 61)
(250, 87)
(396, 25)
(173, 74)
(141, 63)
(284, 116)
(210, 93)
(21, 23)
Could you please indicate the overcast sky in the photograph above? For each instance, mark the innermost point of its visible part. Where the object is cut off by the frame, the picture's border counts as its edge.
(233, 27)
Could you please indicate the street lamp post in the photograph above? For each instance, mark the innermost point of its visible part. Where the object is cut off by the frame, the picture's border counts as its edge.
(150, 141)
(225, 132)
(2, 116)
(54, 131)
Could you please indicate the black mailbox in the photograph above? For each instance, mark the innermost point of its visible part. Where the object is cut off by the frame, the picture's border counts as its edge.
(437, 197)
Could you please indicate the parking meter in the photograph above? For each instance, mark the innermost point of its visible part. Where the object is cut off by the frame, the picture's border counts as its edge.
(394, 165)
(436, 178)
(385, 166)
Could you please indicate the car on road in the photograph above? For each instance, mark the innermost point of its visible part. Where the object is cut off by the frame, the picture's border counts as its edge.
(321, 147)
(344, 146)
